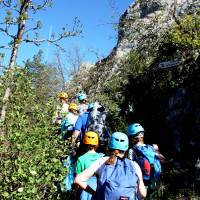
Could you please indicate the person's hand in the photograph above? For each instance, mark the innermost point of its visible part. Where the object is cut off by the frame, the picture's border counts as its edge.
(155, 146)
(78, 144)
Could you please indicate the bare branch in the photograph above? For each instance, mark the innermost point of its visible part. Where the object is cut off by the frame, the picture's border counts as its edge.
(14, 9)
(7, 3)
(96, 53)
(52, 40)
(9, 23)
(74, 58)
(5, 47)
(32, 29)
(112, 4)
(60, 68)
(76, 30)
(45, 3)
(58, 46)
(36, 7)
(1, 5)
(5, 30)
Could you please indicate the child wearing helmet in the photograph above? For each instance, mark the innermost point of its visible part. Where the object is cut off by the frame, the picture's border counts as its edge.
(83, 106)
(81, 125)
(136, 134)
(63, 96)
(62, 110)
(118, 177)
(136, 137)
(69, 121)
(147, 156)
(90, 144)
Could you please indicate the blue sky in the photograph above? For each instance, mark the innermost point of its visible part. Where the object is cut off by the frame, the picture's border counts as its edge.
(96, 17)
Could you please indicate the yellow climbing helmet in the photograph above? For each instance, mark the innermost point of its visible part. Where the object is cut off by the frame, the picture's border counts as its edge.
(91, 138)
(63, 95)
(73, 106)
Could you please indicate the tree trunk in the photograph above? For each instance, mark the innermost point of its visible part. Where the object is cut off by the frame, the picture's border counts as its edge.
(10, 77)
(60, 69)
(17, 41)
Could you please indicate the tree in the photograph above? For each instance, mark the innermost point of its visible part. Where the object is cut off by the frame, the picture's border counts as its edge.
(60, 67)
(75, 59)
(17, 23)
(45, 77)
(69, 63)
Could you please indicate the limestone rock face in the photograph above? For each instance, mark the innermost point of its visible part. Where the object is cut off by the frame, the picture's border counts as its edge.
(144, 23)
(141, 27)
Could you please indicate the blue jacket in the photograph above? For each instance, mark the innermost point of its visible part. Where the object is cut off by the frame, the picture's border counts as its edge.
(81, 123)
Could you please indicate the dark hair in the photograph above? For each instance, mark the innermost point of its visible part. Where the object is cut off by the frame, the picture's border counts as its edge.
(91, 147)
(84, 148)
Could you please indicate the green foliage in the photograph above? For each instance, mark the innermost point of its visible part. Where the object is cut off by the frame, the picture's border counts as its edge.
(187, 31)
(29, 151)
(116, 92)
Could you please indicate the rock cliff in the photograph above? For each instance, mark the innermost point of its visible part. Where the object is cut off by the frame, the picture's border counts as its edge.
(141, 27)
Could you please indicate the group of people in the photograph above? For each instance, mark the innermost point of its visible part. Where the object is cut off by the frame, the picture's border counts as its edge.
(113, 171)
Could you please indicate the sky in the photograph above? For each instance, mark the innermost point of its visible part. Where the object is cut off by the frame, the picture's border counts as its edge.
(97, 18)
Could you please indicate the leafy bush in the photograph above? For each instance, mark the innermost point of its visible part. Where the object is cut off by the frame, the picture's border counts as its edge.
(30, 152)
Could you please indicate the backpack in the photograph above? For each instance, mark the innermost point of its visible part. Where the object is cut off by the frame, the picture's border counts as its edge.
(148, 161)
(97, 122)
(69, 178)
(66, 129)
(117, 182)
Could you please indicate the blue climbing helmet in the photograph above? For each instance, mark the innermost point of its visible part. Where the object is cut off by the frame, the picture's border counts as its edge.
(90, 106)
(81, 97)
(135, 129)
(118, 141)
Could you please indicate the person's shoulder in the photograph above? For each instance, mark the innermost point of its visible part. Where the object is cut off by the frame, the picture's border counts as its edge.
(84, 115)
(97, 155)
(103, 159)
(69, 114)
(100, 161)
(136, 168)
(82, 157)
(100, 155)
(72, 115)
(133, 163)
(141, 145)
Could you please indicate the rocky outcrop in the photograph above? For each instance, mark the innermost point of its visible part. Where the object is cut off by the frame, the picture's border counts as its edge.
(144, 23)
(141, 28)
